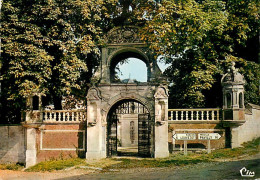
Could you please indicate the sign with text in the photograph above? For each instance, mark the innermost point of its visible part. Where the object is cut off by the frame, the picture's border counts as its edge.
(184, 136)
(209, 136)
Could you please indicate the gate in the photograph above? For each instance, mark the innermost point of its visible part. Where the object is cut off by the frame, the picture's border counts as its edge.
(112, 136)
(144, 128)
(144, 135)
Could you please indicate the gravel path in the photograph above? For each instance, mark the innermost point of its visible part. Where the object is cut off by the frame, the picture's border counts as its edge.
(211, 170)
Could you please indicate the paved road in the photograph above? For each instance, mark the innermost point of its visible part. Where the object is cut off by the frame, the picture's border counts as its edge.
(212, 170)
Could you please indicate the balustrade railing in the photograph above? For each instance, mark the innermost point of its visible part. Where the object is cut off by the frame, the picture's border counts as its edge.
(194, 114)
(64, 116)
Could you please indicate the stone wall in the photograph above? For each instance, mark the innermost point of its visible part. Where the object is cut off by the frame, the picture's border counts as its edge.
(248, 130)
(46, 141)
(57, 141)
(12, 144)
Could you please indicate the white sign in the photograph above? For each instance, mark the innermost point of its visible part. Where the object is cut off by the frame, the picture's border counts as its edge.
(208, 136)
(184, 136)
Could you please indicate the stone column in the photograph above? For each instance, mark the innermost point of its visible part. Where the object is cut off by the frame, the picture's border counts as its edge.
(104, 69)
(31, 158)
(235, 137)
(94, 130)
(161, 123)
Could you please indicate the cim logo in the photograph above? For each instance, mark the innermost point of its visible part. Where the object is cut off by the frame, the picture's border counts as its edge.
(246, 173)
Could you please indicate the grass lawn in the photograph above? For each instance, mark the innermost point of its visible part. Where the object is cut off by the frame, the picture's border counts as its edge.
(15, 167)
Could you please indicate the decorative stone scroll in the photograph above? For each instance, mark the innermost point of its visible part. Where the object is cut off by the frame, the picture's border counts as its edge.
(93, 94)
(161, 93)
(126, 34)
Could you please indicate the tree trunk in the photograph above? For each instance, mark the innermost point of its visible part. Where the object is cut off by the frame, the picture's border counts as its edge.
(57, 102)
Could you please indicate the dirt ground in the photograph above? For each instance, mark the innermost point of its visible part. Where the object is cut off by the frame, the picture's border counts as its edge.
(226, 169)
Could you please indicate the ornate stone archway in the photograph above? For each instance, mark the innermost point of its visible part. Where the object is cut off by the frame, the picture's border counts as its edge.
(120, 141)
(124, 42)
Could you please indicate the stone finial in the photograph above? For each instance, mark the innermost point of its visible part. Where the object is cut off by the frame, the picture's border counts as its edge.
(233, 76)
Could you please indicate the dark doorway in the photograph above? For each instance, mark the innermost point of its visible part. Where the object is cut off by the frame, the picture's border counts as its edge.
(129, 130)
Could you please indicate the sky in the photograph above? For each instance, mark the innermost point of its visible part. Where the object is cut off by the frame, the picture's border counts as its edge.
(136, 69)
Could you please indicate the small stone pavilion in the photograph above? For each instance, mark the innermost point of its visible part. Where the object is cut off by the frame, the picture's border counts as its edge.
(128, 118)
(233, 94)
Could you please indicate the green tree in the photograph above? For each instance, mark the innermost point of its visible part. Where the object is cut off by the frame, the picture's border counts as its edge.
(53, 46)
(196, 38)
(47, 45)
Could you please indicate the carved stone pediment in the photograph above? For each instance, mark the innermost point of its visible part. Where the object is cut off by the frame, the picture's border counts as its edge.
(126, 34)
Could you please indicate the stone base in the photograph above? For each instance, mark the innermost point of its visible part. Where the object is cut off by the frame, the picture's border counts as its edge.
(161, 154)
(95, 155)
(31, 159)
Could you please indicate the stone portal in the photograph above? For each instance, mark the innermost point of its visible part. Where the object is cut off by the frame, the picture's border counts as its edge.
(107, 95)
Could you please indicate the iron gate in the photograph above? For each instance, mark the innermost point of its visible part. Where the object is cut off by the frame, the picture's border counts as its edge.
(144, 135)
(112, 136)
(145, 128)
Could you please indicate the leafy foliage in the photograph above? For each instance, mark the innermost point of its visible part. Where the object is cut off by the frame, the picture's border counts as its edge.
(196, 38)
(47, 45)
(53, 46)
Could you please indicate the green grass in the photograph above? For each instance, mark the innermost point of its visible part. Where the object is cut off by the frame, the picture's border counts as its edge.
(176, 159)
(153, 163)
(57, 164)
(248, 148)
(14, 167)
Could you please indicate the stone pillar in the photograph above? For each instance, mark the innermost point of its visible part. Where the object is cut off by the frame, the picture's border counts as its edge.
(235, 137)
(95, 131)
(31, 158)
(161, 149)
(104, 69)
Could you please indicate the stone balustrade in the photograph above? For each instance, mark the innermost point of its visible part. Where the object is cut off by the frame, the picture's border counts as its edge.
(63, 116)
(204, 114)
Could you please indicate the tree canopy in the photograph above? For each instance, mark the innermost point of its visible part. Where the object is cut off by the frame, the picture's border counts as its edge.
(53, 46)
(47, 45)
(199, 39)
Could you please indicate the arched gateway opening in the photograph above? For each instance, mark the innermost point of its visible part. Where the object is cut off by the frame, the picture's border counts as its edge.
(129, 129)
(123, 57)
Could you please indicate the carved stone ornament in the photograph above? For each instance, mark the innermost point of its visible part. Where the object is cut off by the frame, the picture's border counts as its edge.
(232, 76)
(161, 93)
(93, 94)
(103, 116)
(127, 34)
(110, 50)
